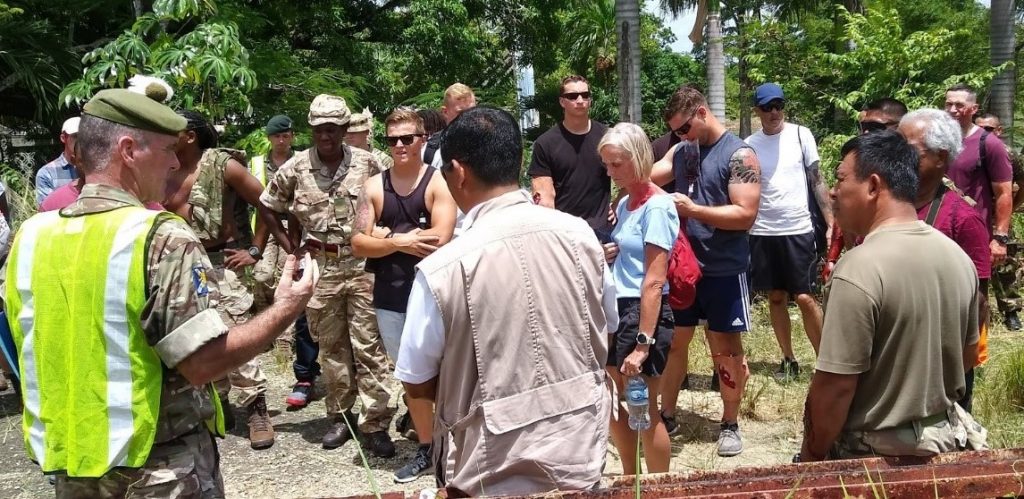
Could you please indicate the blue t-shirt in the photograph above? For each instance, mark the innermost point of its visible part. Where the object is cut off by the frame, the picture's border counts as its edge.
(657, 223)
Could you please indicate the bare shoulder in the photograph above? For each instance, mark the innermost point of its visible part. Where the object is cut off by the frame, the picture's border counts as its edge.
(744, 167)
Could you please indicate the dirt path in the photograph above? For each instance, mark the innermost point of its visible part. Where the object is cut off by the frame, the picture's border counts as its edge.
(298, 467)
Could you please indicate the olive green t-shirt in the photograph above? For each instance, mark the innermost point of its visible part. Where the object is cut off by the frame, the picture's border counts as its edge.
(899, 309)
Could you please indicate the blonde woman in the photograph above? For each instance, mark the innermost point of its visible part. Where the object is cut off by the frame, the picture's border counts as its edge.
(643, 237)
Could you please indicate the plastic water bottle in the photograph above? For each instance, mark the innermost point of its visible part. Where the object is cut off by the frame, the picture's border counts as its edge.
(637, 402)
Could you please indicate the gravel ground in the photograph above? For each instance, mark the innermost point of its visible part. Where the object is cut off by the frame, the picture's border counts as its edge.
(297, 466)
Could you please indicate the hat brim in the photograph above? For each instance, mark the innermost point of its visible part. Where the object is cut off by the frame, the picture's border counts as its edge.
(358, 128)
(325, 120)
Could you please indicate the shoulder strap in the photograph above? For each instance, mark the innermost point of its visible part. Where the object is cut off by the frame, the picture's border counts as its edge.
(981, 149)
(936, 203)
(800, 140)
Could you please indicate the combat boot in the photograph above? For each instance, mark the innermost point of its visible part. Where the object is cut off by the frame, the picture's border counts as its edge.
(339, 432)
(261, 431)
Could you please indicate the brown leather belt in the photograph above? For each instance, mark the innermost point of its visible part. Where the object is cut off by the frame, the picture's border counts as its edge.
(331, 250)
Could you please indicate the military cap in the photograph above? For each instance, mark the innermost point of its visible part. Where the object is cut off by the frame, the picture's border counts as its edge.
(278, 124)
(134, 110)
(328, 109)
(361, 122)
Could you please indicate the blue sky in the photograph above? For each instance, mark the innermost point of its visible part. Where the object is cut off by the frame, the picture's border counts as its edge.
(683, 24)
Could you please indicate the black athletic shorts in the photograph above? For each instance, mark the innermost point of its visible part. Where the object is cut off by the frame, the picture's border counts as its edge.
(623, 341)
(783, 262)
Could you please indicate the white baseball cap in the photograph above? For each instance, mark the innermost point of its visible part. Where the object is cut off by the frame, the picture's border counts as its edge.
(70, 126)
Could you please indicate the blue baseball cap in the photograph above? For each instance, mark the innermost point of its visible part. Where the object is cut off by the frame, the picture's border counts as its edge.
(766, 93)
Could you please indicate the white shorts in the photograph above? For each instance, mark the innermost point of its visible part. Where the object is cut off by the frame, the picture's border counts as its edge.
(390, 324)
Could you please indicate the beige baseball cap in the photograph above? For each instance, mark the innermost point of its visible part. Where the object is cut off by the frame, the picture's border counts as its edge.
(329, 109)
(361, 122)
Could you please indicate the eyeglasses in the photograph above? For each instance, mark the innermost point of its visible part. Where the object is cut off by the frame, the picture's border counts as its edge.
(874, 126)
(406, 140)
(575, 95)
(685, 127)
(772, 106)
(988, 128)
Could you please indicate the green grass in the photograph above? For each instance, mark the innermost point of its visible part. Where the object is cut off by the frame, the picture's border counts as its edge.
(999, 385)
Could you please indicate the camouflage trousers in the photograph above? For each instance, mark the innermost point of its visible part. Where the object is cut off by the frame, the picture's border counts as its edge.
(342, 321)
(186, 467)
(1006, 281)
(233, 302)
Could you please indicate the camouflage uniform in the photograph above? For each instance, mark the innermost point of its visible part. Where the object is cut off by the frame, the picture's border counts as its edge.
(383, 159)
(234, 300)
(1006, 278)
(184, 459)
(340, 314)
(267, 271)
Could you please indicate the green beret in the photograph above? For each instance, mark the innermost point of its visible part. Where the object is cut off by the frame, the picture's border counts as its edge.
(134, 110)
(278, 124)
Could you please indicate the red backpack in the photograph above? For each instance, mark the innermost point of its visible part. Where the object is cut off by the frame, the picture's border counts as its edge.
(683, 272)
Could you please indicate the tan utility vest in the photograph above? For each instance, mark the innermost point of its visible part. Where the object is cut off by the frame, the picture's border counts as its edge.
(522, 404)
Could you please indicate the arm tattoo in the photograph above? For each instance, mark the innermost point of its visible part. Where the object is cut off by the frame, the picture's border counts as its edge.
(743, 168)
(820, 189)
(363, 220)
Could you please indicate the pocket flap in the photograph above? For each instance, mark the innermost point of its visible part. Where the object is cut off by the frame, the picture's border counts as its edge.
(511, 413)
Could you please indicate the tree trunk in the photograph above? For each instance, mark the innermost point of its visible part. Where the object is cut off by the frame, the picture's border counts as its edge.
(745, 84)
(1001, 29)
(137, 8)
(627, 27)
(716, 61)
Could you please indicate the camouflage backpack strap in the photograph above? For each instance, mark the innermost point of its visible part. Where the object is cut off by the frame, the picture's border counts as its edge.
(946, 181)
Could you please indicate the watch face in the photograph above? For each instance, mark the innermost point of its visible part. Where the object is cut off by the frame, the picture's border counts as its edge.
(254, 252)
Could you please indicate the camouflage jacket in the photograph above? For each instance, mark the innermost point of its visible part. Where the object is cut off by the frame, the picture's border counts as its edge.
(207, 195)
(322, 201)
(383, 158)
(179, 316)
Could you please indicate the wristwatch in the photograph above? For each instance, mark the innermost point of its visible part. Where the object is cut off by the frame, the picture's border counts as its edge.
(1003, 239)
(255, 252)
(644, 339)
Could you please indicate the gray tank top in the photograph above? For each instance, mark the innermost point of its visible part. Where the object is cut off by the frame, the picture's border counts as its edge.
(705, 178)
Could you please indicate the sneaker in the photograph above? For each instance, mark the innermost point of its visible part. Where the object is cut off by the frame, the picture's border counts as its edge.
(418, 465)
(730, 442)
(301, 394)
(261, 431)
(788, 370)
(671, 426)
(1012, 321)
(715, 386)
(379, 444)
(685, 384)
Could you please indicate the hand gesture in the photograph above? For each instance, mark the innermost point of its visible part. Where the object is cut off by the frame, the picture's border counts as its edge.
(297, 284)
(237, 259)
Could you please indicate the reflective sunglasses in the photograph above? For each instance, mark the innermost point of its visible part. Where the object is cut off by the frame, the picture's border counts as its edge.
(685, 127)
(575, 95)
(772, 106)
(406, 140)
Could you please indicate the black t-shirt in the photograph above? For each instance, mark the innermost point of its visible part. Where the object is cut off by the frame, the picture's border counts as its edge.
(582, 186)
(661, 147)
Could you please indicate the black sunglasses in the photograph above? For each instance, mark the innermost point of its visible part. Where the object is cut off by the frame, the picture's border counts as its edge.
(772, 106)
(685, 127)
(874, 126)
(576, 95)
(406, 140)
(989, 128)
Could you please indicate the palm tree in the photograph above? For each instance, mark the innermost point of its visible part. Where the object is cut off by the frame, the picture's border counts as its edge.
(709, 14)
(1001, 33)
(627, 27)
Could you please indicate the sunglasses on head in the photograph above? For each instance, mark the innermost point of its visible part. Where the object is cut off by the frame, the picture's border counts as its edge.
(874, 126)
(406, 140)
(772, 106)
(576, 95)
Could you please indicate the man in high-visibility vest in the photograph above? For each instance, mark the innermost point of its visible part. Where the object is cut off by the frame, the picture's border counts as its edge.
(109, 306)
